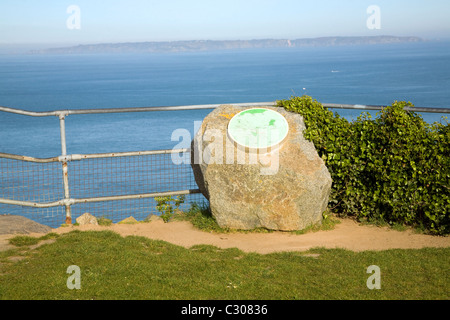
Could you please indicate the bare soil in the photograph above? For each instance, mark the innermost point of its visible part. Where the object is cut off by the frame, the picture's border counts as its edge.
(348, 234)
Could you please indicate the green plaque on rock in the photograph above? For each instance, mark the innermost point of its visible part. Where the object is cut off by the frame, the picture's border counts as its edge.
(258, 128)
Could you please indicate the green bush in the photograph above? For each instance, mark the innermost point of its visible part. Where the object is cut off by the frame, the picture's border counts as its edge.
(165, 207)
(394, 168)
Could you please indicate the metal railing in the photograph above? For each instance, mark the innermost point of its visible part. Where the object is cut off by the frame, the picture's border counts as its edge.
(153, 170)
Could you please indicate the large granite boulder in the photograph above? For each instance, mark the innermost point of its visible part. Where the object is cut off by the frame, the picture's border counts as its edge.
(281, 188)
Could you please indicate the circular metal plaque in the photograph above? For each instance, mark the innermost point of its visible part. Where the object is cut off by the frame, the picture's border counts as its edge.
(258, 128)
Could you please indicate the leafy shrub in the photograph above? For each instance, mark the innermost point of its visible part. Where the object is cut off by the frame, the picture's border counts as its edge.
(166, 208)
(394, 168)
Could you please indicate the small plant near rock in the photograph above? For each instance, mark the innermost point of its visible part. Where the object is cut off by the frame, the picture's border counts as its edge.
(102, 221)
(168, 205)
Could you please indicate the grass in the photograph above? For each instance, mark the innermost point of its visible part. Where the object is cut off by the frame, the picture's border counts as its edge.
(200, 216)
(22, 241)
(134, 268)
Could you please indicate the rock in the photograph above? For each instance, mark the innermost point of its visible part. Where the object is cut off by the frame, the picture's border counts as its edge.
(153, 217)
(129, 220)
(13, 224)
(283, 189)
(87, 218)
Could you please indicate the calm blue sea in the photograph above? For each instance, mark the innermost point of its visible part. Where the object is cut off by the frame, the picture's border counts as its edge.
(377, 74)
(380, 74)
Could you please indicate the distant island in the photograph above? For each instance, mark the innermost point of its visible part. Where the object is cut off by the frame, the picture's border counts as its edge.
(212, 45)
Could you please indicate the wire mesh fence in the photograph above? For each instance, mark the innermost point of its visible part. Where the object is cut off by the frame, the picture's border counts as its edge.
(98, 177)
(28, 181)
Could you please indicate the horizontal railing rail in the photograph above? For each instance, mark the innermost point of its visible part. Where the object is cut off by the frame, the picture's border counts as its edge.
(72, 201)
(204, 106)
(76, 157)
(376, 107)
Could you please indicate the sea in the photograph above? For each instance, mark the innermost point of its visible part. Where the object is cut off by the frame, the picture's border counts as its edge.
(375, 74)
(364, 74)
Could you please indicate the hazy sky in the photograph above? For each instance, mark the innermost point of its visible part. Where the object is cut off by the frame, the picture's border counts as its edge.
(45, 21)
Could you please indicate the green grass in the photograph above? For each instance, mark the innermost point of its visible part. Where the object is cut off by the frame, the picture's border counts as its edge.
(22, 241)
(115, 267)
(200, 216)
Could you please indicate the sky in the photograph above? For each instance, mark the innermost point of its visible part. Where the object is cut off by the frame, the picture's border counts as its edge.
(93, 21)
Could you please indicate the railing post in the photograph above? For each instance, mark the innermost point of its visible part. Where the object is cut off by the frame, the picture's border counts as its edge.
(62, 126)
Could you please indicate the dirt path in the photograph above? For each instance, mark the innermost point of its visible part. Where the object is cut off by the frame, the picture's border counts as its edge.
(348, 235)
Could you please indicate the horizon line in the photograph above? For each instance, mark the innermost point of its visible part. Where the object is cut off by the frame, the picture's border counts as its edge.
(229, 39)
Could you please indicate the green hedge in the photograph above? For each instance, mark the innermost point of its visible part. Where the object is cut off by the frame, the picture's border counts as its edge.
(394, 168)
